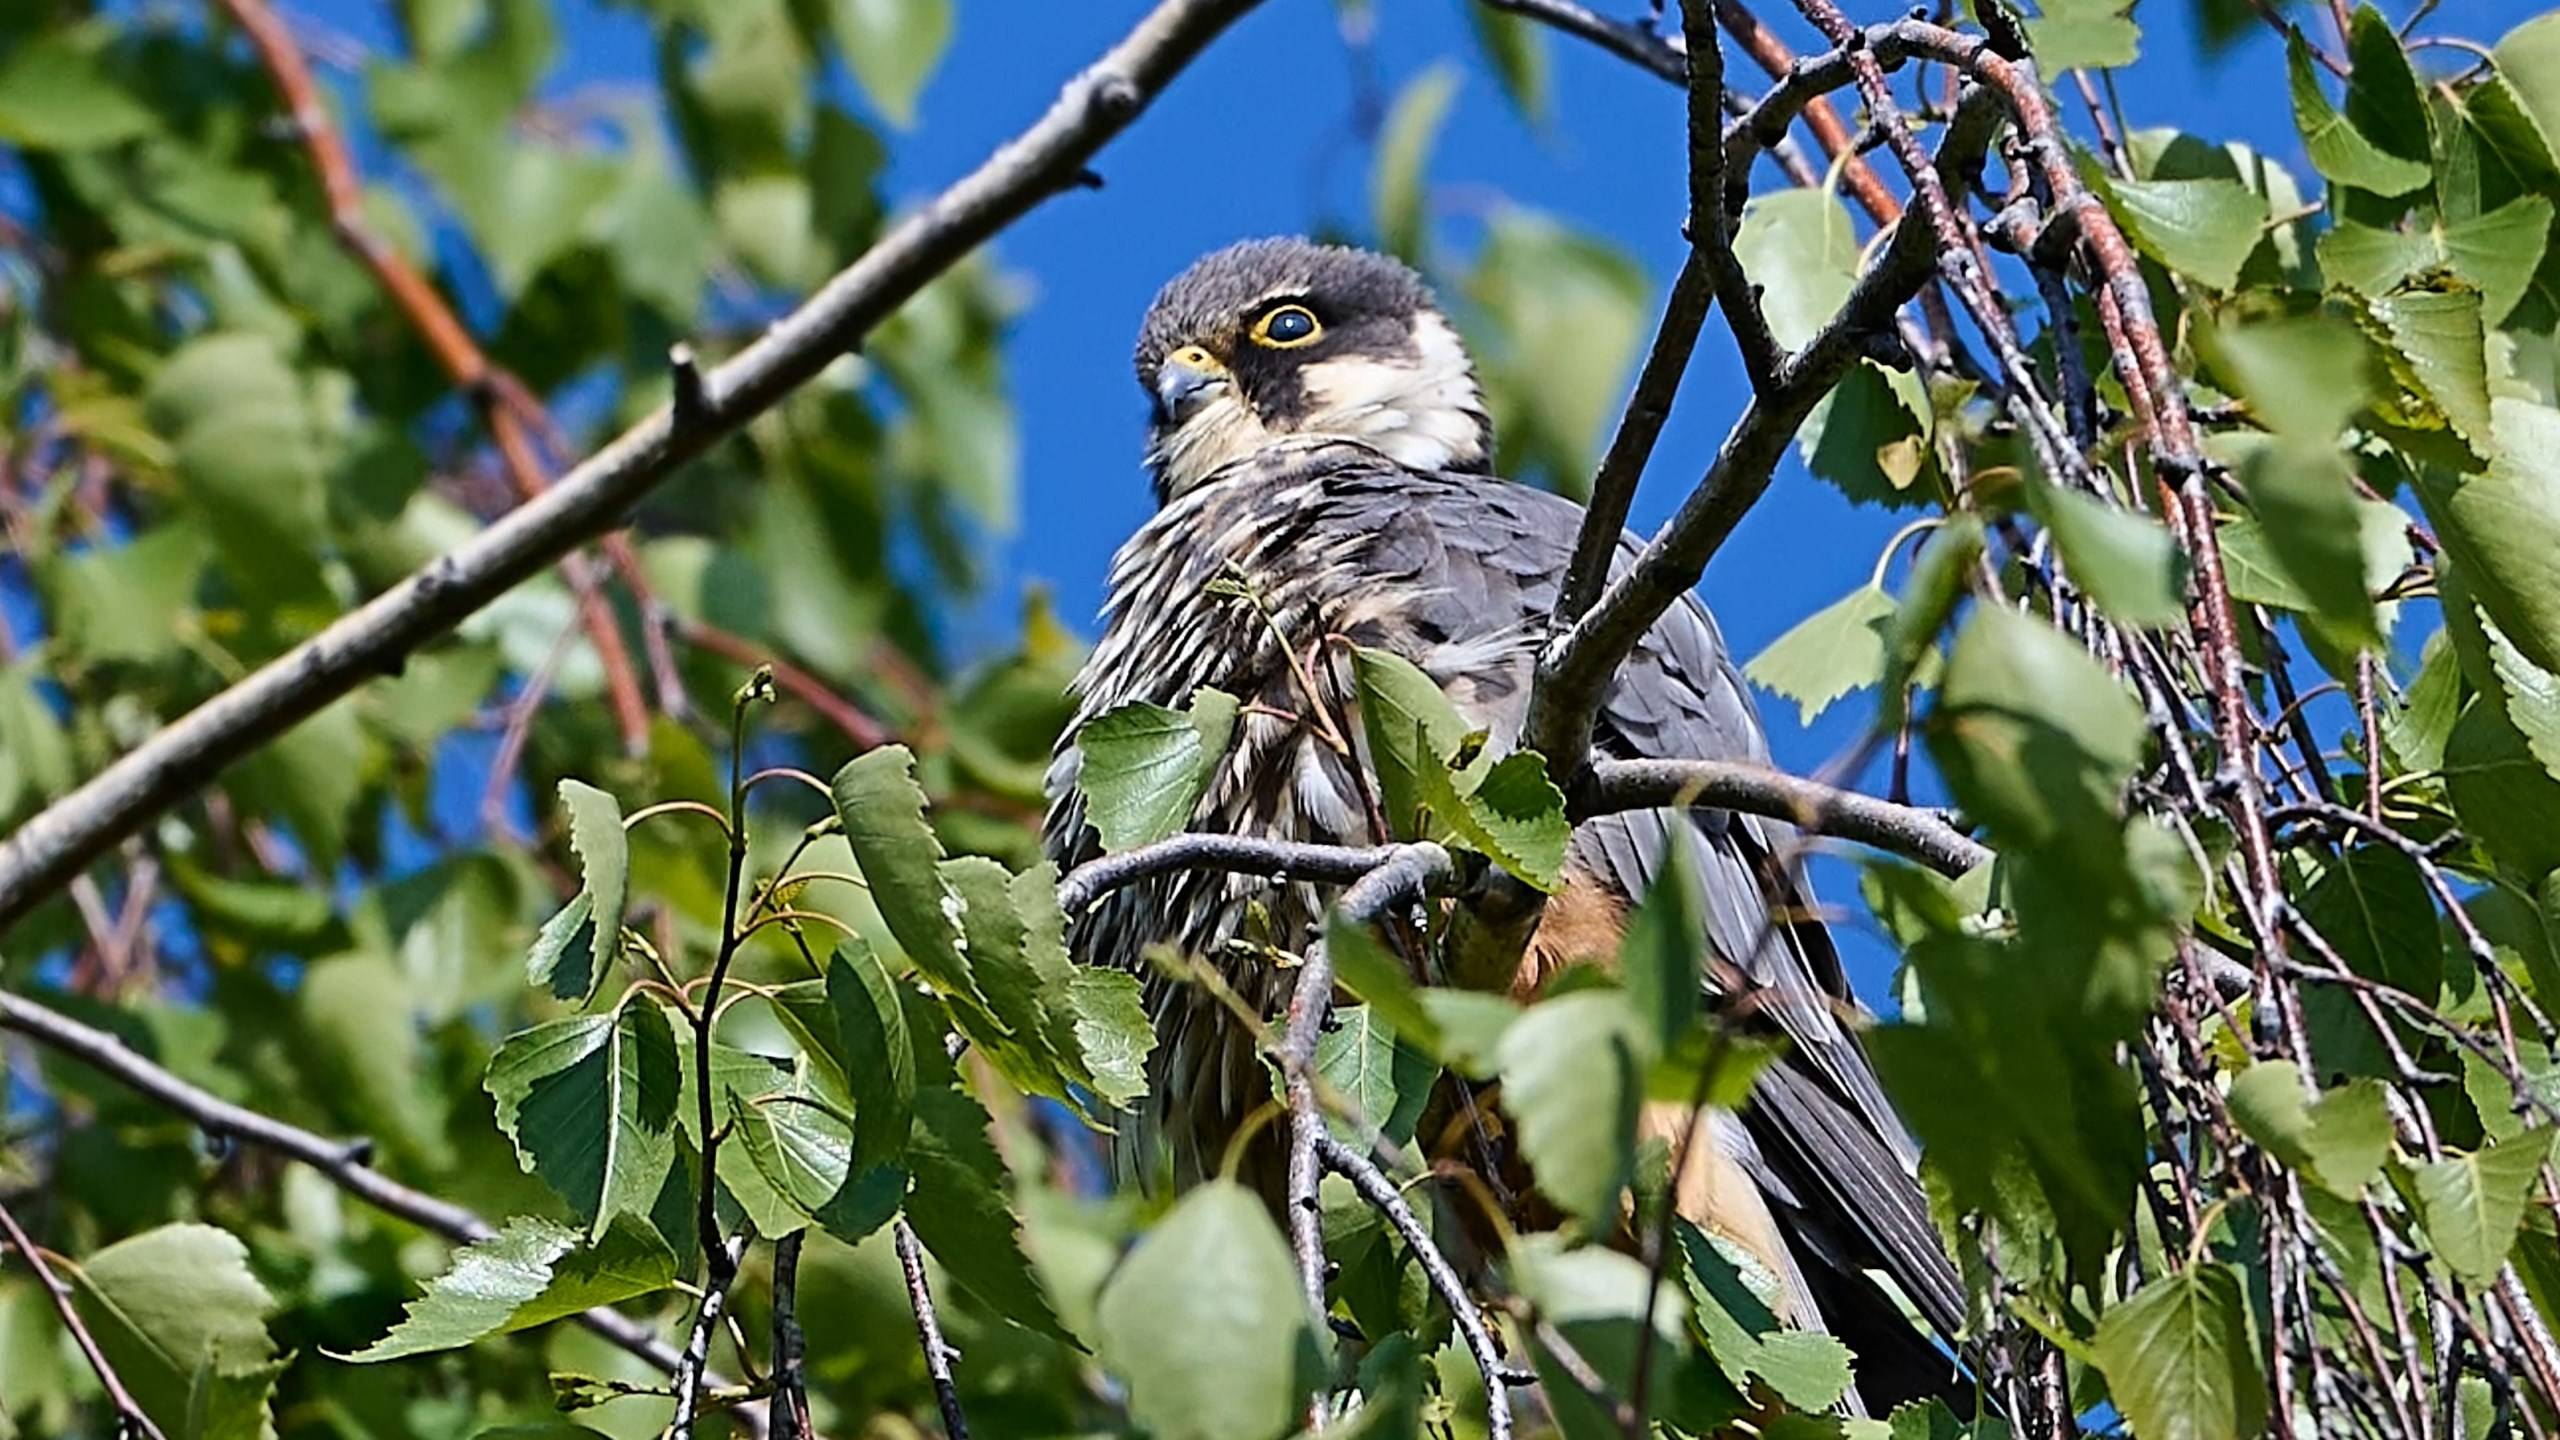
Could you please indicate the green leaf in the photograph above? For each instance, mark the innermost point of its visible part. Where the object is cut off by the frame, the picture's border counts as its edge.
(1207, 1324)
(2123, 558)
(2082, 35)
(1802, 250)
(2500, 790)
(128, 602)
(1870, 437)
(179, 1314)
(877, 1054)
(530, 1273)
(1509, 812)
(802, 1151)
(2529, 61)
(892, 47)
(1398, 200)
(2375, 909)
(2306, 508)
(56, 95)
(961, 1210)
(2532, 696)
(2414, 728)
(2303, 376)
(251, 463)
(2496, 253)
(1014, 1028)
(590, 1103)
(1663, 956)
(1471, 1025)
(1557, 317)
(1808, 1370)
(1516, 49)
(604, 869)
(1146, 767)
(551, 945)
(1595, 1298)
(358, 1023)
(882, 808)
(1572, 1077)
(2178, 1358)
(1836, 649)
(1382, 1078)
(2340, 1139)
(1409, 723)
(1113, 1031)
(1929, 597)
(2385, 103)
(2436, 338)
(2473, 1203)
(2257, 577)
(2204, 229)
(2338, 150)
(2503, 527)
(1368, 970)
(2035, 737)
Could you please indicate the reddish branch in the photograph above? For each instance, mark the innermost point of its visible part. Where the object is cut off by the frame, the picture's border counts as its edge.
(1772, 55)
(865, 732)
(460, 357)
(515, 416)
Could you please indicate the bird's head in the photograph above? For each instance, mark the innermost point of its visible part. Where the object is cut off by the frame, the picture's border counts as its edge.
(1271, 339)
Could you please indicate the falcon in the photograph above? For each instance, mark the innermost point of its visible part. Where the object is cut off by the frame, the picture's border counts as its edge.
(1322, 462)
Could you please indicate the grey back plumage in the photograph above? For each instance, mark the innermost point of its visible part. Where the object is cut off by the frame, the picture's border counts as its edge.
(1457, 572)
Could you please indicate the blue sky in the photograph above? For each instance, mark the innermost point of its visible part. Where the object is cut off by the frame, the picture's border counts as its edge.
(1258, 137)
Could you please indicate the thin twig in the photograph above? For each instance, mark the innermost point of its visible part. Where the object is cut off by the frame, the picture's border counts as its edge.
(48, 849)
(1382, 1195)
(1905, 830)
(1235, 854)
(130, 1416)
(865, 732)
(1629, 42)
(693, 1366)
(1403, 877)
(787, 1417)
(938, 1353)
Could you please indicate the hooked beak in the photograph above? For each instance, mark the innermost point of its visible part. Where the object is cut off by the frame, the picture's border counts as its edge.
(1185, 381)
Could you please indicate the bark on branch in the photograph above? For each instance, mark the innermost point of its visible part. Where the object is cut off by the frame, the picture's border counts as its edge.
(342, 1163)
(1048, 157)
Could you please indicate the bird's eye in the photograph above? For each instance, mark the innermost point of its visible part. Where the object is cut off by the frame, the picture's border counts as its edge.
(1285, 327)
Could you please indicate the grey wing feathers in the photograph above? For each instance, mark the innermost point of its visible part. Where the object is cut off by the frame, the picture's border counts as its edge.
(1840, 1154)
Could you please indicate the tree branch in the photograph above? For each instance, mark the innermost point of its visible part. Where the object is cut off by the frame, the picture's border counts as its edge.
(131, 1418)
(54, 845)
(1382, 1195)
(1800, 88)
(787, 1416)
(1579, 659)
(342, 1163)
(1635, 43)
(693, 1367)
(938, 1353)
(1235, 854)
(1403, 876)
(719, 1258)
(1815, 808)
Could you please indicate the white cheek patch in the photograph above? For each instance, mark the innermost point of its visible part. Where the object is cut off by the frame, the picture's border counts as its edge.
(1424, 410)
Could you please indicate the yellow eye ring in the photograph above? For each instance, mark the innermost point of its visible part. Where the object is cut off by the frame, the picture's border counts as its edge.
(1286, 327)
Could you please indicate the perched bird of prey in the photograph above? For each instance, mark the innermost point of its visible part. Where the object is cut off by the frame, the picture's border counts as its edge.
(1322, 458)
